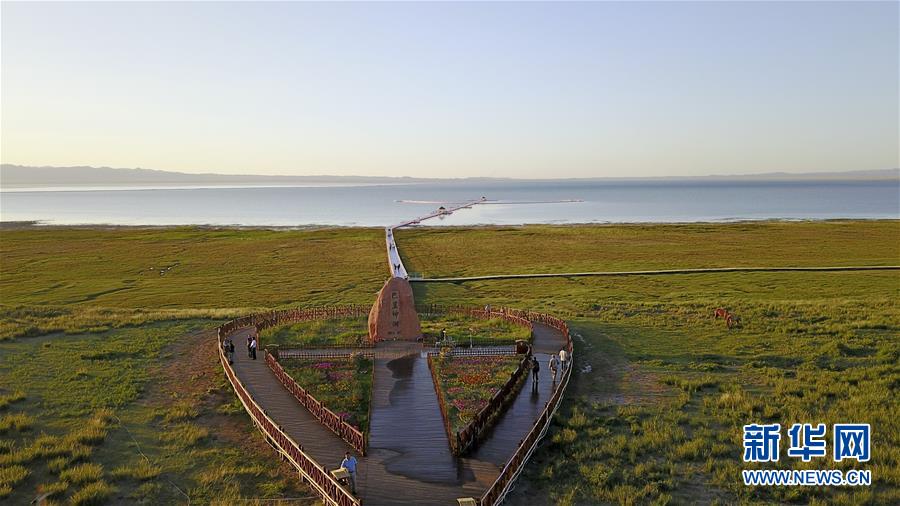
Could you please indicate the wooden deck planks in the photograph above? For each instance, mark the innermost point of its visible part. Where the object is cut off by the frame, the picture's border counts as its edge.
(322, 444)
(409, 459)
(515, 423)
(407, 438)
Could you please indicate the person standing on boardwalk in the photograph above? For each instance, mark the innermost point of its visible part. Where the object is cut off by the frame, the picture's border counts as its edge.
(249, 340)
(535, 369)
(563, 359)
(349, 463)
(230, 351)
(554, 366)
(253, 349)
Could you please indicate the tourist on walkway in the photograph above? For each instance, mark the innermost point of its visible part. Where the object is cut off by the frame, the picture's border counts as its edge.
(253, 349)
(535, 369)
(554, 366)
(563, 359)
(349, 463)
(230, 351)
(249, 340)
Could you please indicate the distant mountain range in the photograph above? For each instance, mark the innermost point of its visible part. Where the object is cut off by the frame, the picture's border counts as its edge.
(19, 176)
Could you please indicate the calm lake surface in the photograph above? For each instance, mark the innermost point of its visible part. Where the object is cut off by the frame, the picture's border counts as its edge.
(378, 205)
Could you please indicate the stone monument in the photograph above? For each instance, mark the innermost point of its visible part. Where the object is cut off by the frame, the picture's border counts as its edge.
(393, 316)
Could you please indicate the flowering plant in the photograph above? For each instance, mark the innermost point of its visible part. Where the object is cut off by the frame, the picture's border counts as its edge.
(468, 383)
(343, 385)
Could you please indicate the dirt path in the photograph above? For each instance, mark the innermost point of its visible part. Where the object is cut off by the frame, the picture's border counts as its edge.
(193, 376)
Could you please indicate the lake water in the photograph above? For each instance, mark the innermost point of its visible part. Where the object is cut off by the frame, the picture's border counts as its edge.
(603, 202)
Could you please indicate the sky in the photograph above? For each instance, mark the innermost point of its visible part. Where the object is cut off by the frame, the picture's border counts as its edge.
(528, 90)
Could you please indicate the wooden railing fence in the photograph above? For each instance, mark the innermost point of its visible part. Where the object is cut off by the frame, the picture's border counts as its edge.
(312, 472)
(317, 475)
(501, 486)
(462, 441)
(278, 317)
(476, 352)
(510, 315)
(303, 353)
(352, 435)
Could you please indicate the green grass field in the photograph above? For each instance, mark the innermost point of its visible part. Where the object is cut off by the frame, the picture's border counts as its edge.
(97, 341)
(137, 415)
(464, 330)
(309, 334)
(355, 331)
(449, 251)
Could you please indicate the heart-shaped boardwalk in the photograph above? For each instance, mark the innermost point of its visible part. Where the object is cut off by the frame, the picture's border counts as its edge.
(408, 459)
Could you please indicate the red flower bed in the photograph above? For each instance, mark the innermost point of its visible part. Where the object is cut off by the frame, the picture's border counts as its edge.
(468, 383)
(344, 385)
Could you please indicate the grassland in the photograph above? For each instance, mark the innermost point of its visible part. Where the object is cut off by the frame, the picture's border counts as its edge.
(464, 330)
(114, 321)
(662, 389)
(139, 415)
(447, 251)
(204, 268)
(78, 279)
(310, 334)
(355, 331)
(97, 337)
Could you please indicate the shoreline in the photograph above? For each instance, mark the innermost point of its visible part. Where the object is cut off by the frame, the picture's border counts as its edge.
(40, 225)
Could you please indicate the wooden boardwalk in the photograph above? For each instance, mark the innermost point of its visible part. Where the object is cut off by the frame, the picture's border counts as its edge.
(519, 417)
(409, 459)
(319, 442)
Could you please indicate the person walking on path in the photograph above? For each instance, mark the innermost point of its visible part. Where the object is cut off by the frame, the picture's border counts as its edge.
(349, 463)
(563, 359)
(230, 351)
(535, 369)
(253, 349)
(249, 341)
(554, 366)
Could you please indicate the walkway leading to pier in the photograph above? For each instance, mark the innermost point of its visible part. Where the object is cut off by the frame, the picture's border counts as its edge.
(398, 270)
(409, 459)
